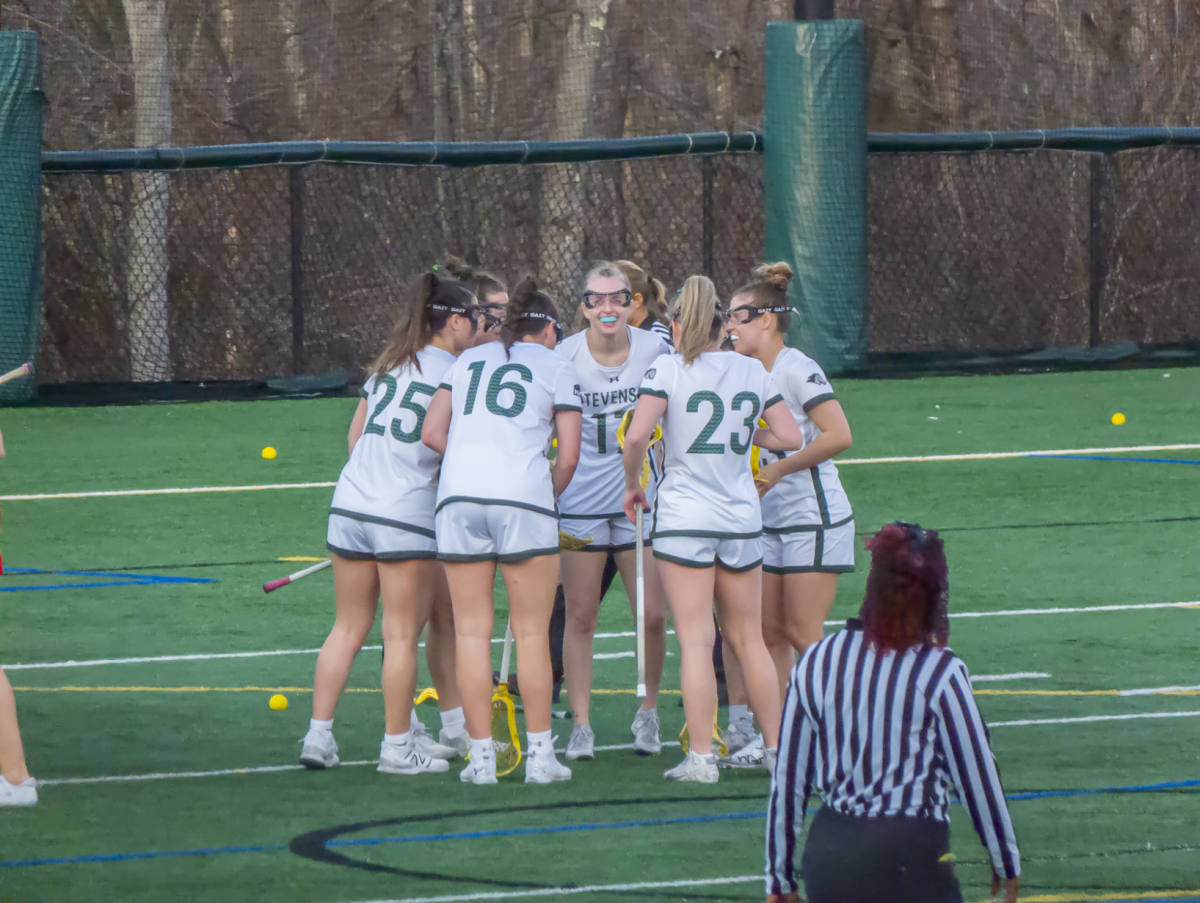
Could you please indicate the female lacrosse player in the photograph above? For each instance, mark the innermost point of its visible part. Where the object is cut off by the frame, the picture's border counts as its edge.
(492, 295)
(610, 358)
(707, 523)
(808, 526)
(381, 535)
(648, 309)
(492, 418)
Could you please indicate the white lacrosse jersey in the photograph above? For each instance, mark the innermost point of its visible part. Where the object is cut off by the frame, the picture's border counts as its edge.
(391, 477)
(503, 416)
(813, 496)
(713, 407)
(598, 487)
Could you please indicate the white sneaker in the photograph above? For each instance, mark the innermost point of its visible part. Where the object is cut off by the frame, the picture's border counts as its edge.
(460, 744)
(479, 771)
(645, 733)
(752, 755)
(430, 747)
(23, 794)
(320, 750)
(545, 769)
(739, 736)
(698, 768)
(408, 759)
(582, 745)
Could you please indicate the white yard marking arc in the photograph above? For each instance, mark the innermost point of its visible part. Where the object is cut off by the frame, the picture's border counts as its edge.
(1090, 718)
(1018, 675)
(910, 459)
(572, 891)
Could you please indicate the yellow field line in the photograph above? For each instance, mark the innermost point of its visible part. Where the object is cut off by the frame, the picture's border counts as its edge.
(70, 689)
(1120, 895)
(300, 558)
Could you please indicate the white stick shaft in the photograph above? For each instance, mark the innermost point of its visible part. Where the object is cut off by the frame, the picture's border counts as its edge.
(310, 570)
(23, 370)
(641, 607)
(507, 654)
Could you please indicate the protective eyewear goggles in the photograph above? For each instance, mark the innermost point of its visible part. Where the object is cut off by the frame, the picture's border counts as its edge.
(592, 300)
(747, 312)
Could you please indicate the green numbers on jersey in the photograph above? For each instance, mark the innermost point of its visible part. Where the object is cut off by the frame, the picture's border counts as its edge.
(703, 444)
(473, 389)
(407, 403)
(496, 385)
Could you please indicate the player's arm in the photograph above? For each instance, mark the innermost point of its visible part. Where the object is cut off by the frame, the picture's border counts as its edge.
(568, 427)
(782, 432)
(835, 438)
(1, 445)
(356, 425)
(648, 412)
(436, 430)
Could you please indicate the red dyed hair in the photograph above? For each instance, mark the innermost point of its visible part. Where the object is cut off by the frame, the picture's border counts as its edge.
(907, 589)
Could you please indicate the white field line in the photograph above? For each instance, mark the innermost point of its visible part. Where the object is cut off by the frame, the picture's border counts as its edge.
(977, 456)
(87, 663)
(572, 891)
(1090, 718)
(616, 747)
(1087, 609)
(1160, 691)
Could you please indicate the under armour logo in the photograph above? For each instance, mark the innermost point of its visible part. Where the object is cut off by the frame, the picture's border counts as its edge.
(613, 379)
(818, 379)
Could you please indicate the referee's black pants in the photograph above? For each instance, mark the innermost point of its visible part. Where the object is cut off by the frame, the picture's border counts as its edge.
(852, 859)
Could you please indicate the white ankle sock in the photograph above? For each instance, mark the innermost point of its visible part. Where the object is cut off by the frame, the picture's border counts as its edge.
(540, 744)
(397, 740)
(324, 727)
(414, 723)
(740, 715)
(454, 722)
(482, 749)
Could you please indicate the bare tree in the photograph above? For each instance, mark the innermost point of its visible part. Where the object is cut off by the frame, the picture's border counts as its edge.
(146, 270)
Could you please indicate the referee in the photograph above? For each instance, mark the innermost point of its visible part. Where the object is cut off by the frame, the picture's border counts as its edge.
(880, 718)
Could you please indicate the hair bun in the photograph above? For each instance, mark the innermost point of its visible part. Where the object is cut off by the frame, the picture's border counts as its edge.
(777, 274)
(459, 268)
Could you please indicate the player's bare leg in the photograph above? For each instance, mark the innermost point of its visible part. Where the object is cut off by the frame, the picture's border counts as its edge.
(471, 586)
(739, 607)
(531, 586)
(12, 753)
(439, 644)
(807, 601)
(775, 627)
(356, 587)
(689, 592)
(407, 591)
(581, 573)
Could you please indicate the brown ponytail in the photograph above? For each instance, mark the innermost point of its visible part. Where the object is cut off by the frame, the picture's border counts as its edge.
(526, 313)
(698, 312)
(768, 291)
(432, 302)
(479, 282)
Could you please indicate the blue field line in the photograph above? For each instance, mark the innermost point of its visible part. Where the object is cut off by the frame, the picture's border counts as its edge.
(118, 579)
(1117, 458)
(551, 829)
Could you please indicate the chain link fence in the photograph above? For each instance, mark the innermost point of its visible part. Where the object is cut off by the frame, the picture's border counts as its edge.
(281, 270)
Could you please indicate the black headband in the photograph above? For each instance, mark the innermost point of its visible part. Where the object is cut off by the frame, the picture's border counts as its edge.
(917, 534)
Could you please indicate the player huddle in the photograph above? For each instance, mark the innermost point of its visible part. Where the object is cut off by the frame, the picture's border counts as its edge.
(483, 436)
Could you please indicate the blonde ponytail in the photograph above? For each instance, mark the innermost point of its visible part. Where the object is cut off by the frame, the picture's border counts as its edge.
(653, 292)
(699, 315)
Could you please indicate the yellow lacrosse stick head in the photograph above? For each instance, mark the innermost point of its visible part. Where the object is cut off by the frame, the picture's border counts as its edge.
(504, 731)
(720, 747)
(756, 454)
(425, 695)
(656, 436)
(569, 543)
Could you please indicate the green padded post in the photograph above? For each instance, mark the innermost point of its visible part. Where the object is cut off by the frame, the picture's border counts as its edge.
(20, 209)
(815, 174)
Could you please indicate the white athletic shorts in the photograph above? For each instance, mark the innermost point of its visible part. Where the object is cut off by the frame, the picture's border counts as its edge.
(705, 551)
(810, 550)
(609, 534)
(378, 540)
(471, 531)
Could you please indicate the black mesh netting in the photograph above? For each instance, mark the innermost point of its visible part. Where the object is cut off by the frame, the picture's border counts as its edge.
(253, 253)
(276, 270)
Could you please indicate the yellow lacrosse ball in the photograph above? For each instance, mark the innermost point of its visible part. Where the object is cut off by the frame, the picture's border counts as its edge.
(268, 453)
(1118, 419)
(278, 702)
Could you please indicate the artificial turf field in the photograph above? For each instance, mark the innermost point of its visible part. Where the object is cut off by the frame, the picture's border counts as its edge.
(1022, 535)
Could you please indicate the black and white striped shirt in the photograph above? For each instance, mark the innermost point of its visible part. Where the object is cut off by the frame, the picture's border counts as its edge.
(882, 735)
